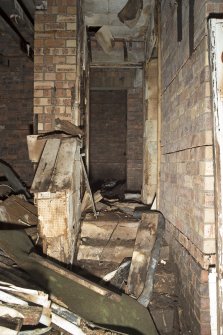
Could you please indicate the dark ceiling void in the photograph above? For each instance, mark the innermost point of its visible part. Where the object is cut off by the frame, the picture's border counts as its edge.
(92, 30)
(130, 14)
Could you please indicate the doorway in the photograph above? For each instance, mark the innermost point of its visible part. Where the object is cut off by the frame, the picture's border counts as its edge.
(107, 135)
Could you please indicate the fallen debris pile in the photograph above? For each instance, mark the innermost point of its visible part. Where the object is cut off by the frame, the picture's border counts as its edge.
(93, 302)
(110, 241)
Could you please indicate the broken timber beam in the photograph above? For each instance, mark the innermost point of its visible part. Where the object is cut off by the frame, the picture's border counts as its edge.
(145, 240)
(146, 294)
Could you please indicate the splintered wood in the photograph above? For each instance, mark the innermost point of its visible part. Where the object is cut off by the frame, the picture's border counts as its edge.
(31, 309)
(57, 193)
(110, 237)
(145, 240)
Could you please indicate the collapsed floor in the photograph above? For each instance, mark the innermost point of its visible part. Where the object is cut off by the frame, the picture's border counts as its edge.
(116, 246)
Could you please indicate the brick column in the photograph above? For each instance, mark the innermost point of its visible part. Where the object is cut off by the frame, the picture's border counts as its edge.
(55, 63)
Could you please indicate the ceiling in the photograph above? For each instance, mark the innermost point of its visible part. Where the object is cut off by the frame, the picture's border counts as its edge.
(105, 12)
(17, 25)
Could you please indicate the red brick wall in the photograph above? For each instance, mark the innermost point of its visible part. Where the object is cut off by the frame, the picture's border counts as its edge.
(16, 112)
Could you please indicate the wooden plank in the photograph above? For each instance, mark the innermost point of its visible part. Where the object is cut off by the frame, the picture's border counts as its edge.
(114, 253)
(66, 325)
(11, 299)
(65, 165)
(86, 201)
(145, 240)
(102, 231)
(75, 278)
(88, 186)
(146, 294)
(35, 147)
(66, 314)
(109, 238)
(31, 314)
(10, 326)
(17, 211)
(36, 331)
(113, 249)
(26, 295)
(45, 168)
(13, 179)
(68, 127)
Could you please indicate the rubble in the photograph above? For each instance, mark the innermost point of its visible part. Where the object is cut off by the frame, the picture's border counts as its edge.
(94, 303)
(115, 244)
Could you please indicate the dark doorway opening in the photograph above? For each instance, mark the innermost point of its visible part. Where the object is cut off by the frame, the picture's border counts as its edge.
(108, 129)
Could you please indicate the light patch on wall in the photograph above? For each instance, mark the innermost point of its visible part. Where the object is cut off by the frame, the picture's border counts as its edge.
(105, 39)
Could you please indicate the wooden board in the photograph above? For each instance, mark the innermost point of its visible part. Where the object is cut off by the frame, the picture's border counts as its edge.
(109, 238)
(145, 239)
(35, 147)
(114, 253)
(45, 168)
(68, 127)
(75, 278)
(102, 228)
(17, 211)
(31, 314)
(63, 172)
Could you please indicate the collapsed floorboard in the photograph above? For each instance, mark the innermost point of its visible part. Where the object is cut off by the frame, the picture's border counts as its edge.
(110, 237)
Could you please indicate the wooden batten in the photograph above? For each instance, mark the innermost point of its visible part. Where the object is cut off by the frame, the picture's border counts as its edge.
(57, 194)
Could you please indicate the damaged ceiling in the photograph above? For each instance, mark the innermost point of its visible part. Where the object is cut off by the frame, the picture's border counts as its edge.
(125, 19)
(17, 25)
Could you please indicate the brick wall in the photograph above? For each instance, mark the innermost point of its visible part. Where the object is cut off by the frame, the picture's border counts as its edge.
(187, 176)
(16, 111)
(134, 138)
(108, 135)
(192, 283)
(55, 63)
(131, 81)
